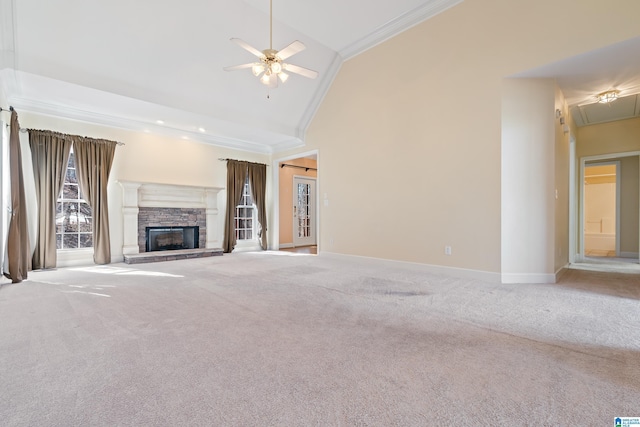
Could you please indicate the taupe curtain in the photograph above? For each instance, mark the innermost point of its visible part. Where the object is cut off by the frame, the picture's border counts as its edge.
(258, 183)
(18, 251)
(236, 176)
(94, 158)
(49, 155)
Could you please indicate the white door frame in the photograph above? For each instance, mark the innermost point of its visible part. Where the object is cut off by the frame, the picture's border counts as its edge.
(315, 209)
(576, 219)
(274, 241)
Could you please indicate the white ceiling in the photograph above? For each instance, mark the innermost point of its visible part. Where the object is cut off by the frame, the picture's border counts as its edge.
(583, 77)
(131, 63)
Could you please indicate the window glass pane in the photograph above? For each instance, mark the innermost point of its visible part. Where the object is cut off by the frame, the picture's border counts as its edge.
(74, 219)
(244, 215)
(85, 209)
(71, 176)
(86, 240)
(70, 241)
(70, 191)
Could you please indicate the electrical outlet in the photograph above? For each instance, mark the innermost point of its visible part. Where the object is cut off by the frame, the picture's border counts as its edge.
(447, 250)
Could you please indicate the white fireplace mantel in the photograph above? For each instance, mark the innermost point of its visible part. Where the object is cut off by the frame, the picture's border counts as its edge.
(153, 195)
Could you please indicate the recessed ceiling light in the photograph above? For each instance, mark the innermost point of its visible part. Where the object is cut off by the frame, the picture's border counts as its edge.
(202, 130)
(160, 122)
(185, 137)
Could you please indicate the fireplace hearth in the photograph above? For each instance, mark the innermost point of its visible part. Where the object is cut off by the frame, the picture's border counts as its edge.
(171, 238)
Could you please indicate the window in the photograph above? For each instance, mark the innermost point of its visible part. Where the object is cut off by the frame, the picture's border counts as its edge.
(245, 215)
(74, 222)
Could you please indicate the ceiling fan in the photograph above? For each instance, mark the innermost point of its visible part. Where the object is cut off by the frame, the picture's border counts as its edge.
(271, 65)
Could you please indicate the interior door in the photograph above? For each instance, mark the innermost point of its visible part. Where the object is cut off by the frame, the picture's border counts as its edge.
(304, 211)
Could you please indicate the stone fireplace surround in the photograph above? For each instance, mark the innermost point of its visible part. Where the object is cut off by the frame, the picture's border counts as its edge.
(199, 204)
(171, 217)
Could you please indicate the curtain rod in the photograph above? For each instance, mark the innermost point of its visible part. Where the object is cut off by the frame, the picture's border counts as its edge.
(23, 130)
(306, 168)
(66, 135)
(11, 109)
(236, 160)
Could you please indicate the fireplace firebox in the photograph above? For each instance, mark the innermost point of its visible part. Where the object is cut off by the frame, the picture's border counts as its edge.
(171, 238)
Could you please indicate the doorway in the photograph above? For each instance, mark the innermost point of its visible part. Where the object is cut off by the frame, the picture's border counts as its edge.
(304, 211)
(601, 209)
(605, 235)
(285, 226)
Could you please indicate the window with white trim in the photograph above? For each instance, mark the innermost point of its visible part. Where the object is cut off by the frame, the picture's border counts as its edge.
(245, 218)
(74, 219)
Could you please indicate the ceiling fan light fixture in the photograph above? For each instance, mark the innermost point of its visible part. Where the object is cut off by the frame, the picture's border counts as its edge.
(271, 60)
(257, 69)
(608, 96)
(276, 67)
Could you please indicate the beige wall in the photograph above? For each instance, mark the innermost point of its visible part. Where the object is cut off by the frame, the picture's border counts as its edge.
(608, 138)
(285, 180)
(154, 159)
(413, 127)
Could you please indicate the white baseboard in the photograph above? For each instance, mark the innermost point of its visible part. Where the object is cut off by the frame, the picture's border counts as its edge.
(560, 272)
(634, 255)
(462, 273)
(524, 278)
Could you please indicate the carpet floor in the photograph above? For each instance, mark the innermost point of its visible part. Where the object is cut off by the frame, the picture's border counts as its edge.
(282, 339)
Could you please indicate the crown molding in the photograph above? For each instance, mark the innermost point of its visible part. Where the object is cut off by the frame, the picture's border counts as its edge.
(287, 145)
(70, 113)
(318, 97)
(397, 26)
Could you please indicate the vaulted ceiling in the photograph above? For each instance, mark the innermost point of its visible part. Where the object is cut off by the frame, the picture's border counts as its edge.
(134, 64)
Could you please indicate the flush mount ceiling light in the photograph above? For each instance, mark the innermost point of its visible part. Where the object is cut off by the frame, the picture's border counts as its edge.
(608, 96)
(271, 66)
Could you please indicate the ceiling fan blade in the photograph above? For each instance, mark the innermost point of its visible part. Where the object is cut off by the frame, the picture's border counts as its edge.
(238, 67)
(248, 47)
(292, 49)
(300, 70)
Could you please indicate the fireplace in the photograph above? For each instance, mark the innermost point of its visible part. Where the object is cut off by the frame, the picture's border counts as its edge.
(171, 238)
(164, 206)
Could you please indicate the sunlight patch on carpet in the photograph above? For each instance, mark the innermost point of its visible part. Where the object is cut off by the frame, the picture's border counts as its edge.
(123, 271)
